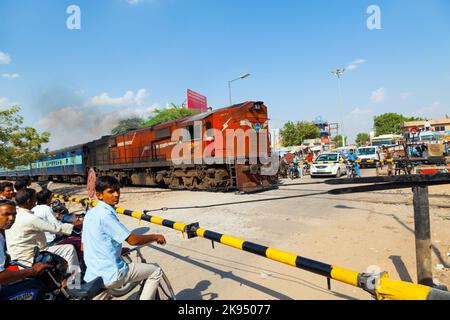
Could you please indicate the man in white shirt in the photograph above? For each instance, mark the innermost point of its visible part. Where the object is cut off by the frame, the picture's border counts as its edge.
(29, 231)
(12, 282)
(45, 212)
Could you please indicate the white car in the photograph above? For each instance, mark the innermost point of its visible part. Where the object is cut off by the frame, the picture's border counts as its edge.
(328, 164)
(370, 156)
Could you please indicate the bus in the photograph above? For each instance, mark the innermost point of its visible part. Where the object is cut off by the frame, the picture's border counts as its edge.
(386, 140)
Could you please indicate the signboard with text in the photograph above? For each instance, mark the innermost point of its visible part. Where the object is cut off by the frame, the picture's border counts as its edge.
(196, 101)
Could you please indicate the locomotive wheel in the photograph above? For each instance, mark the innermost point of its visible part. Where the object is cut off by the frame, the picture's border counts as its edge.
(188, 183)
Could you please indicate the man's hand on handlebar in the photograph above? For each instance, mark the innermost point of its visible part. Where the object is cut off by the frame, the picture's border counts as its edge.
(125, 251)
(38, 268)
(160, 239)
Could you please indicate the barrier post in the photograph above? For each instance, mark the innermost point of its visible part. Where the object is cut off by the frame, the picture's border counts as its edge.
(422, 235)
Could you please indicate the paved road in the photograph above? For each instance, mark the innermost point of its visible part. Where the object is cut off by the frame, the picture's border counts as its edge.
(353, 231)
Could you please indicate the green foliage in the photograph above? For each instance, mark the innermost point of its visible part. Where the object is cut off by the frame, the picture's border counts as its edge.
(18, 145)
(390, 123)
(362, 138)
(293, 134)
(127, 125)
(338, 140)
(171, 113)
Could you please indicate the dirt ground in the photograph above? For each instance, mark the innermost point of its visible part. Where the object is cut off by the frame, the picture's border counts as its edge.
(361, 232)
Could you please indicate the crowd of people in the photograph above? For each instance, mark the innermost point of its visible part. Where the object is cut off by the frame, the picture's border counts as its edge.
(27, 221)
(300, 161)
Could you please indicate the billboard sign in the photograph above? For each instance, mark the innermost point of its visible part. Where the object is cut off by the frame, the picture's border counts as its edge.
(196, 101)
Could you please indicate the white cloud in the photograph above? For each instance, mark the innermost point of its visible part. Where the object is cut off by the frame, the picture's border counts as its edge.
(359, 61)
(3, 102)
(358, 111)
(437, 110)
(134, 2)
(406, 95)
(10, 75)
(378, 95)
(4, 58)
(70, 126)
(128, 99)
(354, 65)
(140, 95)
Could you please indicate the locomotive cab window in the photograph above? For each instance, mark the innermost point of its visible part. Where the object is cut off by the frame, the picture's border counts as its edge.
(208, 131)
(162, 133)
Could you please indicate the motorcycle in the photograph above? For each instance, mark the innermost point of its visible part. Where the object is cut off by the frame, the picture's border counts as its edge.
(350, 169)
(65, 216)
(306, 168)
(53, 282)
(293, 171)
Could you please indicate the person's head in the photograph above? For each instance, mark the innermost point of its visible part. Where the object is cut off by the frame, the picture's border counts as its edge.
(107, 189)
(22, 183)
(7, 214)
(7, 190)
(26, 198)
(44, 197)
(352, 150)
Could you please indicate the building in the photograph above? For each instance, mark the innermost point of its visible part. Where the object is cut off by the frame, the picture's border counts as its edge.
(324, 127)
(275, 139)
(441, 126)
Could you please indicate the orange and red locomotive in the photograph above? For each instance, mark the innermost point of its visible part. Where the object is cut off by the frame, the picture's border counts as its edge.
(222, 149)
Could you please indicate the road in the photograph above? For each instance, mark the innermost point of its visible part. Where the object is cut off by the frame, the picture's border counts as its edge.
(361, 232)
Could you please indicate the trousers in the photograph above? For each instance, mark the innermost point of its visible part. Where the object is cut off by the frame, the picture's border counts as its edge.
(137, 272)
(68, 252)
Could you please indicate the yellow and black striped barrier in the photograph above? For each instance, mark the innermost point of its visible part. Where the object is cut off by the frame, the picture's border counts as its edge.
(380, 286)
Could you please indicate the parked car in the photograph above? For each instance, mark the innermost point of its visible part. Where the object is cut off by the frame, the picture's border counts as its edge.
(328, 164)
(370, 156)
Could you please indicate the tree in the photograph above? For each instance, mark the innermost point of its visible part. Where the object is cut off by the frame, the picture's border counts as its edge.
(390, 123)
(338, 140)
(171, 113)
(18, 145)
(293, 134)
(361, 139)
(127, 125)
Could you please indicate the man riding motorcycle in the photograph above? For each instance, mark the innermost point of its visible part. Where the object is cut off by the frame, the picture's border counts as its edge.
(102, 239)
(296, 167)
(44, 211)
(352, 157)
(15, 281)
(29, 230)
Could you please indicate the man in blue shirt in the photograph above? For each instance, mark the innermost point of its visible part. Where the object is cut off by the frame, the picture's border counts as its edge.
(102, 239)
(353, 157)
(296, 162)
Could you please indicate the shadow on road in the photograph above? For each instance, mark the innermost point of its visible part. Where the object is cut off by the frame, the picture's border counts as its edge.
(196, 292)
(229, 275)
(401, 268)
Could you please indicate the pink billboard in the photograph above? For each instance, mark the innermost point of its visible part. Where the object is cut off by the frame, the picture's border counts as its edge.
(196, 101)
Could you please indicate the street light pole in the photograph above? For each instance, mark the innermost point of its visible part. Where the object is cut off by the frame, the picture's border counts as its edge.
(338, 73)
(229, 84)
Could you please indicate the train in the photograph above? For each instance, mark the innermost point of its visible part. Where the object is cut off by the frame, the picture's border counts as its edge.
(234, 137)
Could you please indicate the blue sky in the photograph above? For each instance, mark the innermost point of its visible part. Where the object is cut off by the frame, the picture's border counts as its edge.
(132, 56)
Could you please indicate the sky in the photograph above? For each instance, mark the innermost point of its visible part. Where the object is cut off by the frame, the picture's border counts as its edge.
(132, 56)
